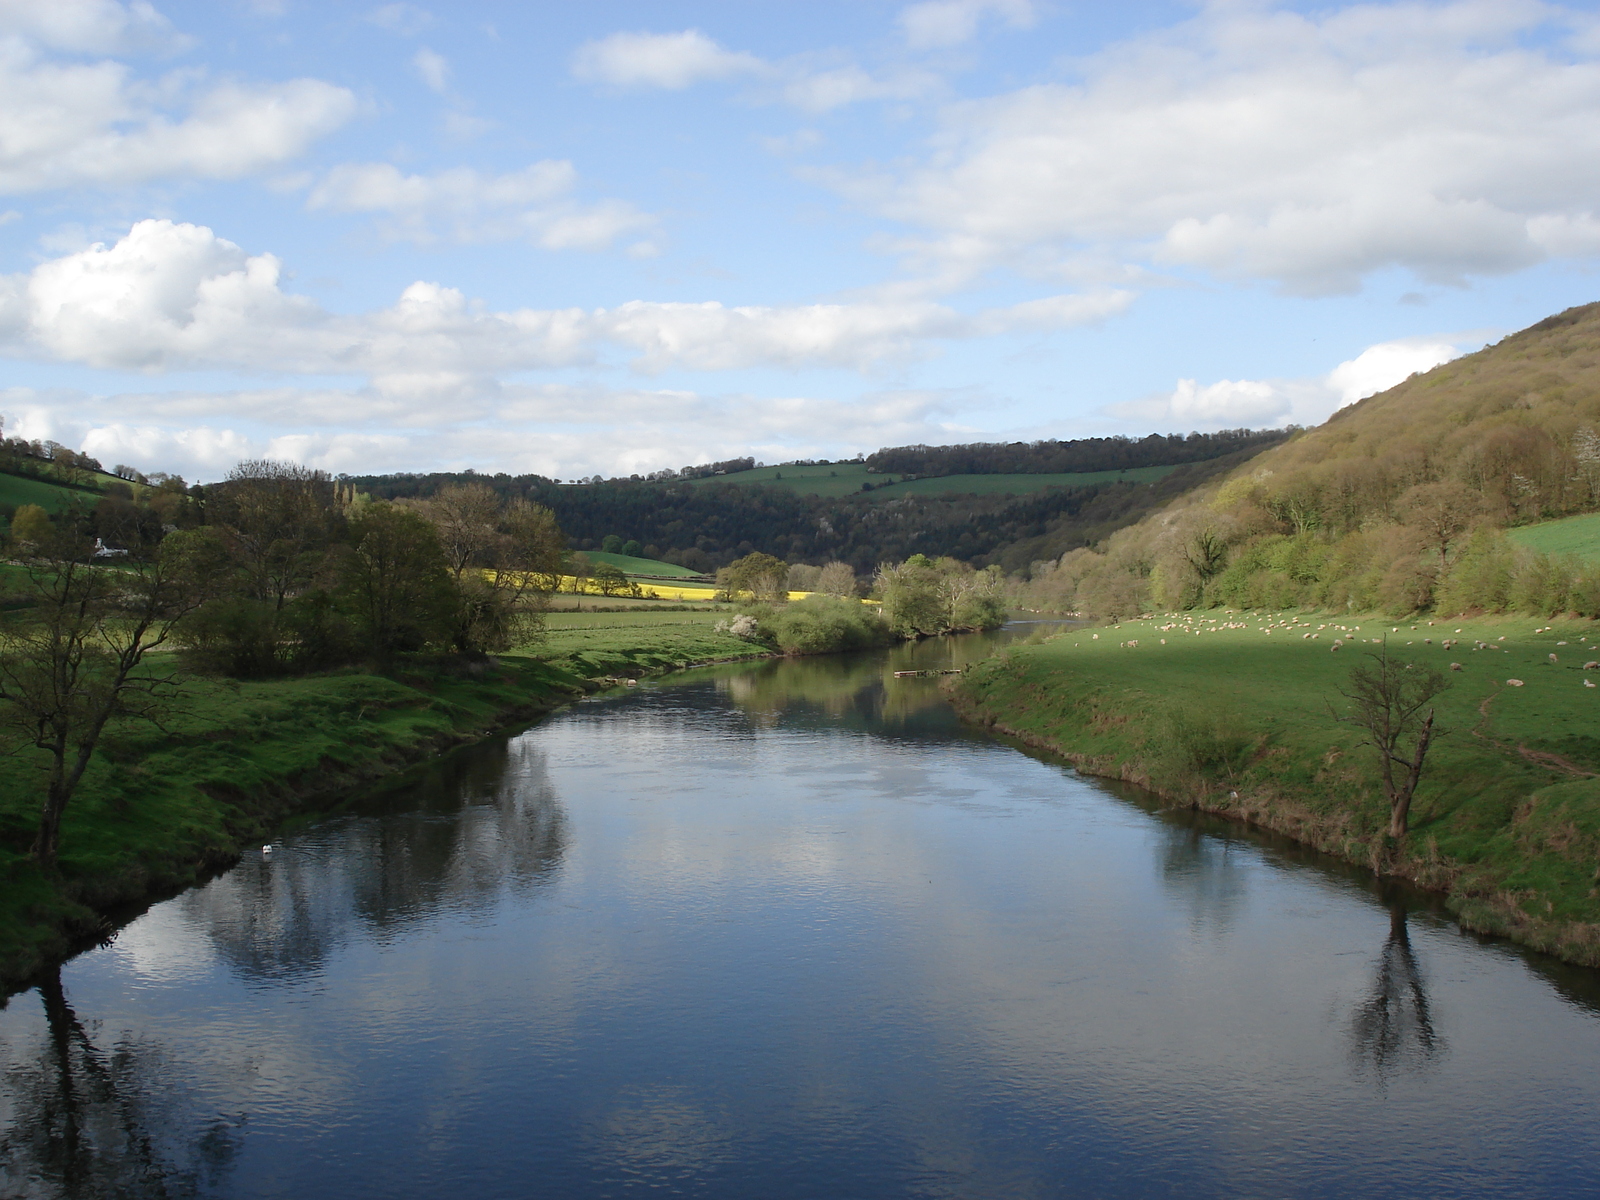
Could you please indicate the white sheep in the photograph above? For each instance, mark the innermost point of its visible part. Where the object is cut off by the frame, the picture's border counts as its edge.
(1513, 683)
(1338, 644)
(1553, 658)
(1455, 666)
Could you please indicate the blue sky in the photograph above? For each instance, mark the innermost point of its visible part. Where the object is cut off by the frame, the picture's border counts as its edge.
(615, 237)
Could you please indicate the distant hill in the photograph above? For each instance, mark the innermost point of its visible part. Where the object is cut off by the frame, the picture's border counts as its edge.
(1399, 501)
(705, 517)
(834, 480)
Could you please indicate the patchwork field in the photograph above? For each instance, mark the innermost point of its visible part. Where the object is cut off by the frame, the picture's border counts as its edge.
(630, 565)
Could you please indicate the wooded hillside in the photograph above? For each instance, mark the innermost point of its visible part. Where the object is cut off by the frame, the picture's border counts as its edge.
(1398, 501)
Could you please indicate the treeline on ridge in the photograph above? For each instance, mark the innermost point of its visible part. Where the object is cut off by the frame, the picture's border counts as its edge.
(1061, 457)
(708, 525)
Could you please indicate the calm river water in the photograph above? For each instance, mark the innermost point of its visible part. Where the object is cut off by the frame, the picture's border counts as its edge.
(789, 930)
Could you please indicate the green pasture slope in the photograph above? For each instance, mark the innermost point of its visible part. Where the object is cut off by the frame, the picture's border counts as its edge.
(1579, 536)
(844, 479)
(17, 490)
(635, 643)
(629, 565)
(1212, 709)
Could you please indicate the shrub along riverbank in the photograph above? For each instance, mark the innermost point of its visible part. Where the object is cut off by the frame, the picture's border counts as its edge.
(163, 807)
(1237, 714)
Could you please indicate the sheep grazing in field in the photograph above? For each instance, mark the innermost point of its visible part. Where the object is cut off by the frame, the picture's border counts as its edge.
(1455, 666)
(1553, 658)
(1588, 683)
(1591, 666)
(1513, 683)
(1338, 644)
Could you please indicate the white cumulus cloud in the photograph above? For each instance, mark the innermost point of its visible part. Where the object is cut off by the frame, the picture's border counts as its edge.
(1310, 150)
(939, 23)
(91, 26)
(65, 124)
(678, 60)
(172, 296)
(464, 205)
(663, 60)
(1265, 403)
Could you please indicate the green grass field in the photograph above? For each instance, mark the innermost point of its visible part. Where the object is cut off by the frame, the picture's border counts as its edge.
(1570, 535)
(17, 490)
(1507, 818)
(629, 565)
(844, 479)
(632, 643)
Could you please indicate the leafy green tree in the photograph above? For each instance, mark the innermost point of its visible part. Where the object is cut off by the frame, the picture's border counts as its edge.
(31, 527)
(611, 544)
(632, 549)
(72, 655)
(911, 595)
(504, 560)
(395, 582)
(761, 577)
(610, 579)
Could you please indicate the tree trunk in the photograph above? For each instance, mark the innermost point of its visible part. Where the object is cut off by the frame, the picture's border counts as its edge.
(1400, 801)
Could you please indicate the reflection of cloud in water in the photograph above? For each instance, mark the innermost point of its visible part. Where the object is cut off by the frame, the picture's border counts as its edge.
(473, 827)
(164, 946)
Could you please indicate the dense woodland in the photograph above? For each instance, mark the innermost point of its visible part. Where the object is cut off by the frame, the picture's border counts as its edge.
(1399, 502)
(707, 525)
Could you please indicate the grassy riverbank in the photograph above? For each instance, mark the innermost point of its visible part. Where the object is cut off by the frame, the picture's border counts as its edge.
(1235, 714)
(160, 808)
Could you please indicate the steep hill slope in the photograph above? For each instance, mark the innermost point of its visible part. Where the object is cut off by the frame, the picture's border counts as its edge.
(1398, 501)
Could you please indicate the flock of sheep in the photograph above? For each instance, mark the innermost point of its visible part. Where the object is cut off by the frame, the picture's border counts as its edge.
(1268, 623)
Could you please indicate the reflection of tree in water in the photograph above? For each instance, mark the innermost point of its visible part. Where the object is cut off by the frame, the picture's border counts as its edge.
(1203, 871)
(455, 836)
(852, 691)
(1392, 1029)
(82, 1122)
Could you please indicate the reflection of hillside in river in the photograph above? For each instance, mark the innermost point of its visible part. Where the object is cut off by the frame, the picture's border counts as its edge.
(462, 832)
(83, 1120)
(860, 691)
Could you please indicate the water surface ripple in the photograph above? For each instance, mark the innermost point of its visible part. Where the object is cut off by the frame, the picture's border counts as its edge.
(789, 930)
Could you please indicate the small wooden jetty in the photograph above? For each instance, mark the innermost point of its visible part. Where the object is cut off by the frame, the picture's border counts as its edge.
(914, 674)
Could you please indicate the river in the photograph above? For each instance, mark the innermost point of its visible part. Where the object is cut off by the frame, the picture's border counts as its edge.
(788, 929)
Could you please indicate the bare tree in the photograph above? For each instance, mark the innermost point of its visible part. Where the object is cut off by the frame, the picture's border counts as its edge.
(1388, 699)
(71, 653)
(1443, 511)
(838, 579)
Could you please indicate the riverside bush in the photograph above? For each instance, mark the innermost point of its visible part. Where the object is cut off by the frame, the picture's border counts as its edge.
(823, 625)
